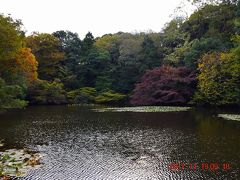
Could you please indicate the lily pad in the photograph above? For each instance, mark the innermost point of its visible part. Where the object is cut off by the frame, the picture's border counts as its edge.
(233, 117)
(16, 163)
(1, 143)
(144, 109)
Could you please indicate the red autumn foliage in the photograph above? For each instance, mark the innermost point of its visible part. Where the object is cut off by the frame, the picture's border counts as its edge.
(164, 85)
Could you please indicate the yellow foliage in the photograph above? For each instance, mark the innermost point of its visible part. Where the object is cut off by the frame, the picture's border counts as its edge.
(219, 78)
(26, 64)
(106, 42)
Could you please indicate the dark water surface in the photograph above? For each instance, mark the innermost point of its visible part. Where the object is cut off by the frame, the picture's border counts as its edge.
(78, 143)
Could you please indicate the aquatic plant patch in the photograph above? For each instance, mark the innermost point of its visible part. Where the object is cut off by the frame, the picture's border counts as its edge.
(1, 143)
(16, 163)
(233, 117)
(144, 109)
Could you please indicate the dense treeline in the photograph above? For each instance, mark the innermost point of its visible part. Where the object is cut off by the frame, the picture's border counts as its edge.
(194, 60)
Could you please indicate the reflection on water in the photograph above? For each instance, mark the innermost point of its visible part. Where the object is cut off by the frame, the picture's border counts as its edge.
(82, 144)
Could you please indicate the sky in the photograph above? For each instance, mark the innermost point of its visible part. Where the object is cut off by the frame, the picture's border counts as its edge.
(97, 16)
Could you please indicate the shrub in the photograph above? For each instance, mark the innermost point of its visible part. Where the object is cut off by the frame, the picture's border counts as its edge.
(82, 95)
(11, 96)
(110, 97)
(45, 92)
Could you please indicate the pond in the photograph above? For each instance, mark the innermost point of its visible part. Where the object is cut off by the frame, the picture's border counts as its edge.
(79, 142)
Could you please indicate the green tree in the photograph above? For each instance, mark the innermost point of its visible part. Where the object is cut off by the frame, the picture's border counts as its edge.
(110, 43)
(127, 70)
(149, 57)
(199, 47)
(211, 21)
(202, 3)
(87, 43)
(93, 65)
(71, 45)
(174, 42)
(50, 57)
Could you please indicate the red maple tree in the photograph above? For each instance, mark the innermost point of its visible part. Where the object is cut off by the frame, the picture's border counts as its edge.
(164, 85)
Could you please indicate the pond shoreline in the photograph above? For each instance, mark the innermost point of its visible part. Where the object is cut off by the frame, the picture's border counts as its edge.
(129, 105)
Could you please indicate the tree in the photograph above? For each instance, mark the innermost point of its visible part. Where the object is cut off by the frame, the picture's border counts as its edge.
(87, 43)
(110, 43)
(15, 64)
(127, 71)
(26, 64)
(237, 19)
(164, 85)
(199, 47)
(49, 55)
(93, 65)
(71, 45)
(202, 3)
(129, 49)
(149, 57)
(215, 21)
(172, 35)
(124, 79)
(11, 38)
(219, 79)
(174, 42)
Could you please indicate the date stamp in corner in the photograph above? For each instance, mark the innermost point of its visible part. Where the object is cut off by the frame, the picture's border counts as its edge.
(213, 166)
